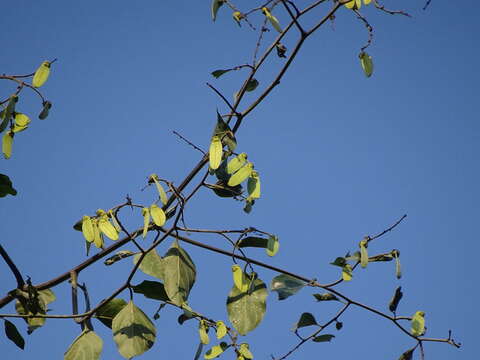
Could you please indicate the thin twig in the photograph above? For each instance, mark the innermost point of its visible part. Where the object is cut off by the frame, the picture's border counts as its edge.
(189, 142)
(13, 267)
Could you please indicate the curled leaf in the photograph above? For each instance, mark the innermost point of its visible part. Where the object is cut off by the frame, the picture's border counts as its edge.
(7, 144)
(241, 175)
(273, 245)
(216, 4)
(221, 329)
(41, 75)
(364, 253)
(202, 331)
(397, 296)
(161, 191)
(236, 163)
(45, 110)
(107, 228)
(158, 215)
(253, 185)
(418, 324)
(146, 221)
(244, 350)
(273, 20)
(21, 122)
(87, 229)
(367, 63)
(215, 153)
(347, 272)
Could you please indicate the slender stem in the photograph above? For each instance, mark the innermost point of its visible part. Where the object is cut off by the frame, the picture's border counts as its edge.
(12, 267)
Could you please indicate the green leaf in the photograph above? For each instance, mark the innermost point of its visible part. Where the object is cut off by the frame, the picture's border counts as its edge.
(306, 319)
(215, 351)
(161, 191)
(224, 133)
(273, 245)
(179, 274)
(216, 4)
(87, 346)
(286, 286)
(6, 186)
(106, 227)
(418, 324)
(273, 20)
(133, 332)
(47, 105)
(152, 264)
(407, 355)
(122, 254)
(10, 109)
(325, 297)
(4, 120)
(253, 241)
(21, 122)
(392, 306)
(13, 334)
(246, 309)
(146, 221)
(367, 63)
(41, 75)
(108, 311)
(152, 290)
(240, 279)
(323, 338)
(36, 305)
(218, 73)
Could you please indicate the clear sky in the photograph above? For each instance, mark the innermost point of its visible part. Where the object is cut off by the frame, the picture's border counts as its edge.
(340, 156)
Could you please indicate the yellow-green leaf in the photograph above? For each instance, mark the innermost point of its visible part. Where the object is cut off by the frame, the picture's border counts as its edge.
(237, 16)
(354, 4)
(215, 351)
(272, 246)
(418, 324)
(87, 346)
(97, 236)
(146, 221)
(87, 229)
(347, 272)
(215, 153)
(161, 192)
(236, 163)
(241, 175)
(367, 63)
(273, 20)
(240, 279)
(107, 228)
(158, 215)
(115, 223)
(7, 143)
(244, 351)
(133, 332)
(21, 122)
(253, 185)
(364, 253)
(202, 332)
(41, 75)
(221, 329)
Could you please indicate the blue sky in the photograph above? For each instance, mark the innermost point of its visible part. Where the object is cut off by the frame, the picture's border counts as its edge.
(340, 156)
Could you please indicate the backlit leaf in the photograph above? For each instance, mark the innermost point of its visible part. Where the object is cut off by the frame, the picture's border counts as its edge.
(347, 272)
(367, 63)
(221, 329)
(21, 122)
(87, 346)
(7, 144)
(273, 245)
(158, 215)
(364, 253)
(152, 264)
(161, 191)
(146, 221)
(236, 163)
(202, 332)
(133, 332)
(418, 324)
(215, 351)
(107, 228)
(179, 274)
(241, 175)
(41, 75)
(44, 298)
(87, 228)
(215, 152)
(244, 350)
(246, 309)
(273, 20)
